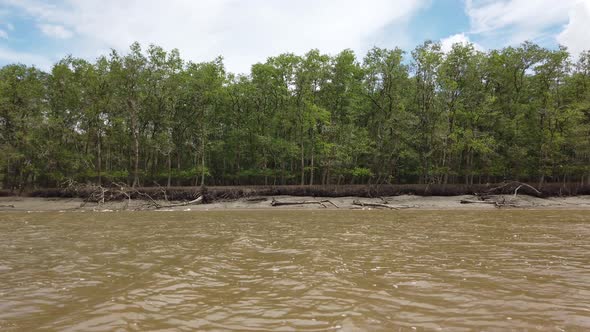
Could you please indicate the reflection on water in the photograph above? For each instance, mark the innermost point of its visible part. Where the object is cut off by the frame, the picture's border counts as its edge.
(295, 270)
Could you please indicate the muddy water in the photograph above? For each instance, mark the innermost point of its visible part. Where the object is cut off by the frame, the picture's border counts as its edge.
(295, 270)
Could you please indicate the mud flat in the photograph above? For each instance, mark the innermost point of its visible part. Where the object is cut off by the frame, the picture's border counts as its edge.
(463, 202)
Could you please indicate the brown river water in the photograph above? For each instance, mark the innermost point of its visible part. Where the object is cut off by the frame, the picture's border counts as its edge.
(295, 271)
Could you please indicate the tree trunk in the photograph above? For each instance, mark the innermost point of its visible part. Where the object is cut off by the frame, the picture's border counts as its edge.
(203, 161)
(169, 169)
(265, 172)
(445, 177)
(20, 181)
(135, 132)
(108, 165)
(7, 176)
(136, 163)
(155, 164)
(99, 159)
(302, 164)
(312, 166)
(196, 163)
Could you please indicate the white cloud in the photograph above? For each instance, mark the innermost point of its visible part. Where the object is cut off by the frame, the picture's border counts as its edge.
(446, 44)
(244, 32)
(489, 16)
(3, 34)
(10, 56)
(511, 22)
(55, 31)
(576, 34)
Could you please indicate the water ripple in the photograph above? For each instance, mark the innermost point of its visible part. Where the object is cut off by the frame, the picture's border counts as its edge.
(295, 270)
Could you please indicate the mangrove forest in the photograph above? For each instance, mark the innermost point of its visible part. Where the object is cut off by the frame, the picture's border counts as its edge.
(147, 117)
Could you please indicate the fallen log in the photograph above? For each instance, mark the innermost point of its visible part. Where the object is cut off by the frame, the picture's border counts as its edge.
(198, 200)
(497, 203)
(151, 202)
(7, 206)
(382, 205)
(474, 201)
(274, 202)
(255, 199)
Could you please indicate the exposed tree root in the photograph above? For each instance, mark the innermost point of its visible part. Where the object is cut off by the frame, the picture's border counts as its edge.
(514, 184)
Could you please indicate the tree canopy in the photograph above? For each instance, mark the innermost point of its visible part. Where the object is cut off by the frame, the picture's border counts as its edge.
(149, 117)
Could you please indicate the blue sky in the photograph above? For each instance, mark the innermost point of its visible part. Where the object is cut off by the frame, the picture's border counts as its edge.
(40, 32)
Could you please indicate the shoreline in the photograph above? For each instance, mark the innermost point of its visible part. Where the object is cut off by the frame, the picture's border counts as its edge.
(263, 203)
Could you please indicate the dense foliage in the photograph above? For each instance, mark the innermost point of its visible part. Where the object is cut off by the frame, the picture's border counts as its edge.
(426, 117)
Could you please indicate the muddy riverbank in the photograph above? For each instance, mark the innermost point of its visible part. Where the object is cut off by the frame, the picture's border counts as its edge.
(463, 202)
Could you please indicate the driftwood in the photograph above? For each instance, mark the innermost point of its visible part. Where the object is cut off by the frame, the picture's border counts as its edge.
(474, 201)
(528, 186)
(120, 191)
(381, 205)
(199, 200)
(152, 203)
(497, 203)
(255, 199)
(7, 206)
(274, 202)
(487, 198)
(518, 186)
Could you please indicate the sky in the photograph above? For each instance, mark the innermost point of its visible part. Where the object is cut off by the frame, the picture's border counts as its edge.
(244, 32)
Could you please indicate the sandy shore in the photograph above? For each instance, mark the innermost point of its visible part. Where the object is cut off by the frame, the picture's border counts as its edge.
(262, 203)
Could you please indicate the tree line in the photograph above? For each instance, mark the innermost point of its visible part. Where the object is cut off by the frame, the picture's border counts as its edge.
(148, 117)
